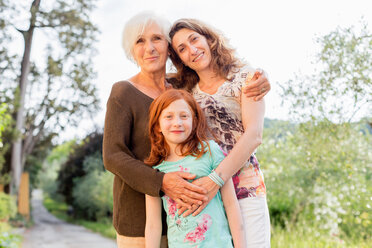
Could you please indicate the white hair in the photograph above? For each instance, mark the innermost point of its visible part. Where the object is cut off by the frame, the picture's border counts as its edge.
(136, 26)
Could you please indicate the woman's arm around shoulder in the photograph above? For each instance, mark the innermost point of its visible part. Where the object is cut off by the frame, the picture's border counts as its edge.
(253, 113)
(233, 213)
(153, 227)
(253, 118)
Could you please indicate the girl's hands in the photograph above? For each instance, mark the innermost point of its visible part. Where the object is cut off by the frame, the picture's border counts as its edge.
(258, 86)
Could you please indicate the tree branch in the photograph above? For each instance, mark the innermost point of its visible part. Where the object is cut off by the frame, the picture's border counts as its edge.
(354, 113)
(46, 26)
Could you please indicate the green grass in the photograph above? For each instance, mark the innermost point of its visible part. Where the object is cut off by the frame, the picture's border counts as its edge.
(310, 238)
(59, 209)
(103, 227)
(299, 237)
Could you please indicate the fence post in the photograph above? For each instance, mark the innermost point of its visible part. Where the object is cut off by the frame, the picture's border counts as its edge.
(24, 196)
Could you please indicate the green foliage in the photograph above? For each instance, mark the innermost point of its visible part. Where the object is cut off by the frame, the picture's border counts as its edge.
(9, 240)
(83, 181)
(340, 89)
(92, 193)
(5, 123)
(51, 166)
(5, 120)
(73, 168)
(319, 173)
(8, 207)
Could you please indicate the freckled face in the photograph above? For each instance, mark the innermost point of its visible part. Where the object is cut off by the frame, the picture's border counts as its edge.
(176, 122)
(150, 50)
(193, 49)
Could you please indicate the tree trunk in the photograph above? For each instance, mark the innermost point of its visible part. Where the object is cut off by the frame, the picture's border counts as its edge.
(16, 157)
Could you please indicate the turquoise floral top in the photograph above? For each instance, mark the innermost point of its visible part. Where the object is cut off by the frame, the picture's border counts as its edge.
(208, 229)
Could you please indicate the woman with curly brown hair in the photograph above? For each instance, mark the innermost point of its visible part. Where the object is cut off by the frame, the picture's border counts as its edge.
(208, 67)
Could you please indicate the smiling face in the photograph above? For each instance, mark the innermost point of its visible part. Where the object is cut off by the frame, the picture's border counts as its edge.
(150, 50)
(193, 49)
(175, 123)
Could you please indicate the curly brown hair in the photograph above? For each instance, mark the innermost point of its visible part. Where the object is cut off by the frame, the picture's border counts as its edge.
(223, 56)
(160, 150)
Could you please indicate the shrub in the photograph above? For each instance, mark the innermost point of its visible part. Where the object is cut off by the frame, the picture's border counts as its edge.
(51, 166)
(8, 240)
(73, 168)
(319, 173)
(92, 193)
(8, 207)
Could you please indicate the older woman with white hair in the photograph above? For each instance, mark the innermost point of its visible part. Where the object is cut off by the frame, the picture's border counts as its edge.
(126, 143)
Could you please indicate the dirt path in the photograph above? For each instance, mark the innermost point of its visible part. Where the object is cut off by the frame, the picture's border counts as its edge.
(50, 232)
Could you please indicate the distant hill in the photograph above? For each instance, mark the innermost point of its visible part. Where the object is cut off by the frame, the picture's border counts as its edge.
(363, 124)
(270, 123)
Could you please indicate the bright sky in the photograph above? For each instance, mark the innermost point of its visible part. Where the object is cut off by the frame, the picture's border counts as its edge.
(276, 35)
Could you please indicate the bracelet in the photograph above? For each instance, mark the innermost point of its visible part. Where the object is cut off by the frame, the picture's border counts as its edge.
(216, 178)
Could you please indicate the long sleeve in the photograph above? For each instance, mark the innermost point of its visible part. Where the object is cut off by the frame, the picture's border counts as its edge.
(124, 144)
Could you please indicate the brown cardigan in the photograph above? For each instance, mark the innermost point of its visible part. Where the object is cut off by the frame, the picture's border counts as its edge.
(125, 145)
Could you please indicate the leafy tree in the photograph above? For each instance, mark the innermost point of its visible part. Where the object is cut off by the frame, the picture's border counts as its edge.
(341, 87)
(54, 90)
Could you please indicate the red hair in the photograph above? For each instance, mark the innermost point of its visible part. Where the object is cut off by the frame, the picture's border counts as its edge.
(199, 134)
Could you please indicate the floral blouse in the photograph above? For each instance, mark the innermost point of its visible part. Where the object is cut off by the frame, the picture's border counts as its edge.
(224, 117)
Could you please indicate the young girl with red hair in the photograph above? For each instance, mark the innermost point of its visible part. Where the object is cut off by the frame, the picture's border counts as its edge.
(179, 142)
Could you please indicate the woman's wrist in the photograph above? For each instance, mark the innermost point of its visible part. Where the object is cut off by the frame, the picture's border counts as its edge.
(222, 173)
(216, 178)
